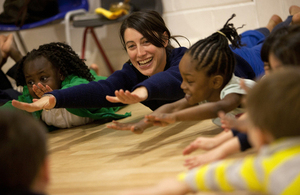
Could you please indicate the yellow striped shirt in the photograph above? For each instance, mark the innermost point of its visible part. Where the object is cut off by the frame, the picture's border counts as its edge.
(274, 170)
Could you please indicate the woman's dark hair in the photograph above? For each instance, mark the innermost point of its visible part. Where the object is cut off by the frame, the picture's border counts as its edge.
(61, 56)
(214, 54)
(151, 25)
(265, 49)
(287, 47)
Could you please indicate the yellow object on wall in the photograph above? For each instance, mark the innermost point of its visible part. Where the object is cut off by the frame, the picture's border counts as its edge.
(111, 15)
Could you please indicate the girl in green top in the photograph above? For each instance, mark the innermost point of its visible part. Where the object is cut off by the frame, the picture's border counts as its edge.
(56, 66)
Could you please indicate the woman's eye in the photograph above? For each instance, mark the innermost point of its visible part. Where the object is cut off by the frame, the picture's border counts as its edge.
(130, 46)
(146, 42)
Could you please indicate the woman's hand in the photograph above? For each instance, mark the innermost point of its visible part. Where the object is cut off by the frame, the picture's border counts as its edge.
(46, 102)
(41, 89)
(126, 97)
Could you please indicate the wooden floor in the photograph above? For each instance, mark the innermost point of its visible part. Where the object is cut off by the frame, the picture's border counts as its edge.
(93, 159)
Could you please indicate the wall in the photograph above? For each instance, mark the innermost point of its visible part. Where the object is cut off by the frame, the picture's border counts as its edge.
(194, 19)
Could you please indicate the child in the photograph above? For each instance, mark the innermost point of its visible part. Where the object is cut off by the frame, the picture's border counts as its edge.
(230, 142)
(274, 130)
(207, 72)
(56, 66)
(24, 164)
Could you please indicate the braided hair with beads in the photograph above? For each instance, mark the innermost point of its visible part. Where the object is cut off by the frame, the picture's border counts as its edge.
(214, 54)
(61, 56)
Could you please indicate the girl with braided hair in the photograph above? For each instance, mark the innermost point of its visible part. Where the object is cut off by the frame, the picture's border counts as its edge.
(56, 66)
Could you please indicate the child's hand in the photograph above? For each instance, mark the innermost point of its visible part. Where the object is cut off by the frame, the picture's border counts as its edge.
(137, 128)
(41, 89)
(193, 162)
(160, 119)
(204, 143)
(228, 123)
(47, 102)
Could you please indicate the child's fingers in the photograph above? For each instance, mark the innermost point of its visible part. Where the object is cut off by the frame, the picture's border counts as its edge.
(188, 150)
(221, 114)
(150, 118)
(38, 92)
(189, 162)
(137, 130)
(48, 89)
(42, 87)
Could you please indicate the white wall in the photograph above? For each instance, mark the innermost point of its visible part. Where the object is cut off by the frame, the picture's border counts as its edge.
(194, 19)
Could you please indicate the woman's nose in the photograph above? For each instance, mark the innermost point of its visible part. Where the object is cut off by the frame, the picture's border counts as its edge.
(141, 51)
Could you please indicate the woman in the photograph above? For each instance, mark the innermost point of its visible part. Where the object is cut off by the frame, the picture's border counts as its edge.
(151, 75)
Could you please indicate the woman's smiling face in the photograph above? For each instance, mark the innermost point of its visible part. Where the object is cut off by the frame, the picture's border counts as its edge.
(144, 56)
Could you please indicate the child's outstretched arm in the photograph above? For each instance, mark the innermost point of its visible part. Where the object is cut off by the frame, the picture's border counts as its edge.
(221, 176)
(208, 143)
(137, 128)
(198, 112)
(229, 147)
(143, 124)
(164, 115)
(165, 187)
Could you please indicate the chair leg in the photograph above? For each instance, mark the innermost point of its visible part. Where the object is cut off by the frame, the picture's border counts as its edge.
(98, 45)
(84, 42)
(22, 42)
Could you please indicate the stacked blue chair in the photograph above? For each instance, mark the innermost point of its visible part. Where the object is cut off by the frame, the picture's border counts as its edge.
(67, 8)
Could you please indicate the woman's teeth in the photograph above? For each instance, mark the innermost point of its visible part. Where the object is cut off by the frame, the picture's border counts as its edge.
(144, 62)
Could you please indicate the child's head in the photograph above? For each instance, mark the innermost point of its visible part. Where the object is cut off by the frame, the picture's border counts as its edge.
(273, 105)
(209, 63)
(285, 50)
(264, 53)
(23, 153)
(49, 65)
